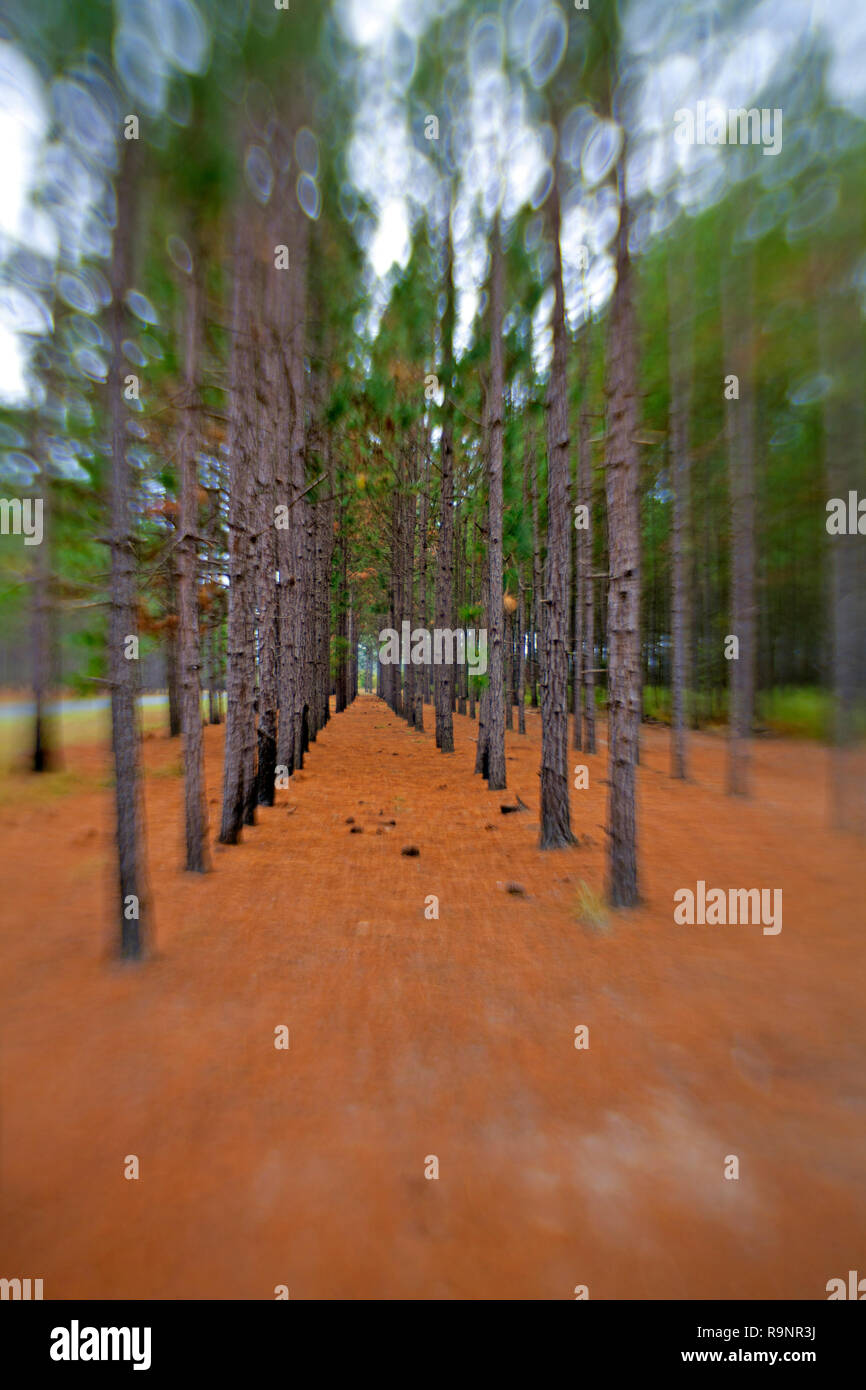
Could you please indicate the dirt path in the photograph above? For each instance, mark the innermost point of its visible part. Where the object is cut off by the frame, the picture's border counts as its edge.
(453, 1037)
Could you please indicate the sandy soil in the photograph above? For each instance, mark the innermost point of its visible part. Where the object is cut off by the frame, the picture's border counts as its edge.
(413, 1037)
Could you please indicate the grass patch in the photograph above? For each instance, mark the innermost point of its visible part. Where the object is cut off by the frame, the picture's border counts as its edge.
(41, 789)
(792, 711)
(797, 711)
(591, 909)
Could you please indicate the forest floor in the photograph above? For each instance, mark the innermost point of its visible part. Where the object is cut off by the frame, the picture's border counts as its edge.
(412, 1037)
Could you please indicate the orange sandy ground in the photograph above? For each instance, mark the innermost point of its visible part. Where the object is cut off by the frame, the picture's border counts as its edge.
(412, 1037)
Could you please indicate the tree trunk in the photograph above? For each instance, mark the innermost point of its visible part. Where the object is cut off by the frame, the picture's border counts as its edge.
(189, 646)
(680, 462)
(537, 610)
(215, 625)
(481, 746)
(462, 530)
(496, 690)
(444, 674)
(264, 465)
(423, 505)
(132, 908)
(555, 816)
(509, 672)
(298, 590)
(739, 428)
(840, 341)
(41, 635)
(397, 585)
(171, 658)
(342, 619)
(469, 682)
(520, 655)
(293, 540)
(409, 528)
(239, 759)
(623, 610)
(586, 559)
(577, 610)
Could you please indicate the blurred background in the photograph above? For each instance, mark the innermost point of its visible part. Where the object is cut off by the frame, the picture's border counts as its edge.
(778, 239)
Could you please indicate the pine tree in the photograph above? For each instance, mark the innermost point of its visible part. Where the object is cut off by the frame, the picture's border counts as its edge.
(555, 816)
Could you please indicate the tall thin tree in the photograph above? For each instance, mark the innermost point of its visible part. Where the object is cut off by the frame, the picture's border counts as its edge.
(496, 780)
(239, 759)
(623, 611)
(679, 352)
(444, 673)
(740, 435)
(189, 643)
(585, 547)
(555, 830)
(131, 903)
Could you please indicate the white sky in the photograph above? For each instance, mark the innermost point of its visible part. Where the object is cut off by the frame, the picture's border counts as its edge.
(23, 125)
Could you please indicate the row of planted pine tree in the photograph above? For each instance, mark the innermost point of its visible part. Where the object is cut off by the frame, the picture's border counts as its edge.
(277, 506)
(548, 626)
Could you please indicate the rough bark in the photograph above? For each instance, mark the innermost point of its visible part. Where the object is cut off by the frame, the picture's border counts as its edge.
(537, 611)
(577, 618)
(189, 643)
(462, 680)
(680, 465)
(496, 779)
(45, 757)
(740, 435)
(555, 831)
(623, 611)
(172, 675)
(397, 585)
(342, 699)
(131, 905)
(470, 683)
(585, 550)
(293, 542)
(481, 746)
(520, 656)
(330, 513)
(509, 671)
(298, 591)
(409, 528)
(443, 674)
(423, 673)
(240, 735)
(264, 465)
(215, 625)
